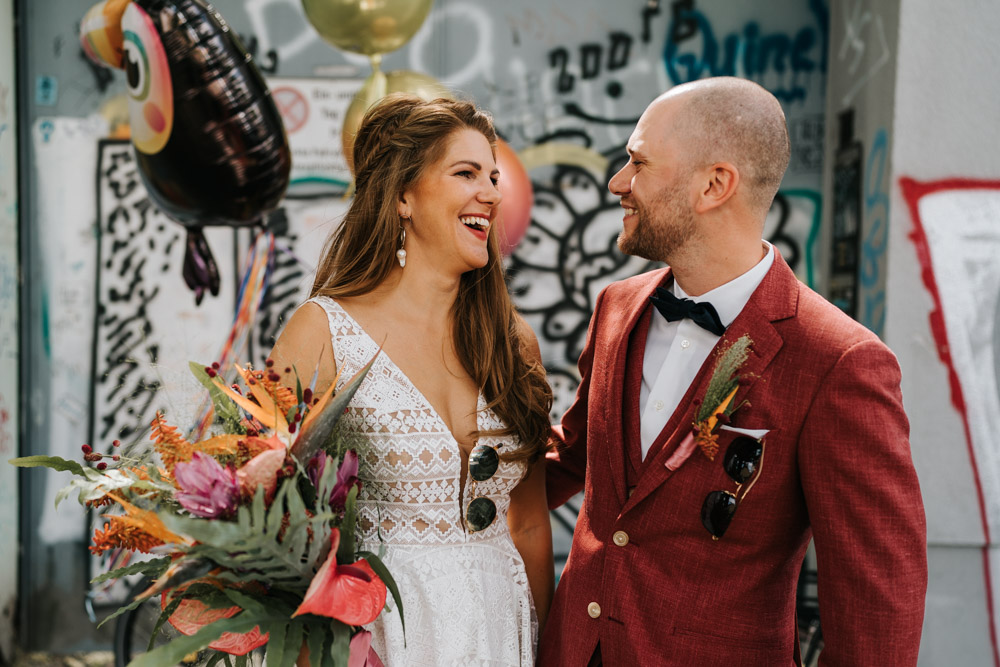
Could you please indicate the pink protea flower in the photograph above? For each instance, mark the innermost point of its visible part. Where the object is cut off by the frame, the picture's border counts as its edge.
(261, 470)
(207, 488)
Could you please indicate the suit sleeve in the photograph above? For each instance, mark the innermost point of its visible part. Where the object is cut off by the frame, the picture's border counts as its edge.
(866, 512)
(566, 464)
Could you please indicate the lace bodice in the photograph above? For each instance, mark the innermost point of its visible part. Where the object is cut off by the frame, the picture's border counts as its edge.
(465, 594)
(410, 462)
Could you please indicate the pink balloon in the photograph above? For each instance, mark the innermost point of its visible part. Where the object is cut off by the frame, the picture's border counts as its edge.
(515, 207)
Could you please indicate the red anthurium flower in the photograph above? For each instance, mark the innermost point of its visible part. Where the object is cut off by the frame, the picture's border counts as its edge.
(352, 594)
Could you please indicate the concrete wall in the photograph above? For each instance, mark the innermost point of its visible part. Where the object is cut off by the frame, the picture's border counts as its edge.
(9, 281)
(942, 317)
(561, 80)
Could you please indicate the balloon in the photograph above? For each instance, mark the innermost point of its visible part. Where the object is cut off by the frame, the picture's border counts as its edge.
(517, 198)
(209, 142)
(377, 86)
(367, 26)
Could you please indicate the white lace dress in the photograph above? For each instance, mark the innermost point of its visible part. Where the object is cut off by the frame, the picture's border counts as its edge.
(465, 595)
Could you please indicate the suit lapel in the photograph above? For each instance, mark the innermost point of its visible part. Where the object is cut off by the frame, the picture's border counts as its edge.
(620, 322)
(774, 299)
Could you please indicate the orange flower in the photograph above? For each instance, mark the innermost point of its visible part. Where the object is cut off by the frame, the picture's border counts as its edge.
(171, 446)
(352, 594)
(120, 532)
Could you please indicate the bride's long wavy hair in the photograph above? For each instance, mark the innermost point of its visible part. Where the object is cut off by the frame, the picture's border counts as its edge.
(398, 138)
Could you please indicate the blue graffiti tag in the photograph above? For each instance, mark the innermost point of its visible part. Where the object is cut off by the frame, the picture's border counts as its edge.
(874, 245)
(748, 52)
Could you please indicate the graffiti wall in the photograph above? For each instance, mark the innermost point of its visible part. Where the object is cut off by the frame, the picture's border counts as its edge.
(9, 319)
(117, 326)
(941, 312)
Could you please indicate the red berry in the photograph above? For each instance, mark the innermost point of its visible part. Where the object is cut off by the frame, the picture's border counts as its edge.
(250, 380)
(116, 443)
(291, 427)
(210, 371)
(102, 465)
(307, 395)
(288, 369)
(269, 362)
(116, 458)
(87, 449)
(298, 416)
(273, 377)
(215, 365)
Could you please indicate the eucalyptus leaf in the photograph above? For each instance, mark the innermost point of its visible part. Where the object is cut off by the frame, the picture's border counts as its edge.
(121, 610)
(152, 568)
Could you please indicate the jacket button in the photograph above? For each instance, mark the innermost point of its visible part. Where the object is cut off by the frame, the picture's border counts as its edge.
(620, 538)
(594, 609)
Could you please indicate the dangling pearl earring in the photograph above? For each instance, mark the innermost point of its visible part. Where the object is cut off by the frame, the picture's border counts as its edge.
(401, 253)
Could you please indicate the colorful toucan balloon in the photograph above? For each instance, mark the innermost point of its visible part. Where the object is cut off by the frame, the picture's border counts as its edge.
(209, 141)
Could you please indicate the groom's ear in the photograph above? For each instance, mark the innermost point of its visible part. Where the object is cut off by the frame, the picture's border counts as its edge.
(716, 185)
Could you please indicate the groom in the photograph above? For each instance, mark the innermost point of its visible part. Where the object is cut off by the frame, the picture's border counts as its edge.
(694, 525)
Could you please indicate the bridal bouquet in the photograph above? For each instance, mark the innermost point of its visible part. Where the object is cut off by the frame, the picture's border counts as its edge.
(250, 531)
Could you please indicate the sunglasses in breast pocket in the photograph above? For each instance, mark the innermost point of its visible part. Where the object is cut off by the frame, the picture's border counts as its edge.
(743, 462)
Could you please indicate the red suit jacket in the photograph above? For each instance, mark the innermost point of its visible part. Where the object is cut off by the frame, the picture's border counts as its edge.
(836, 468)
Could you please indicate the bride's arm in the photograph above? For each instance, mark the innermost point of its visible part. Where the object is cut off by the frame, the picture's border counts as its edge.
(304, 345)
(531, 531)
(528, 517)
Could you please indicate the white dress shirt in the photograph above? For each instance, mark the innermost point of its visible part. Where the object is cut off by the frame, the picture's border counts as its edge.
(675, 351)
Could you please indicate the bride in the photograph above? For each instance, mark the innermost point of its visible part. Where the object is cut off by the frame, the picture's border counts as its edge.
(452, 419)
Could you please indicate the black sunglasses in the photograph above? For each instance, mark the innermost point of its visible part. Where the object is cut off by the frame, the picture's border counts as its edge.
(483, 464)
(743, 461)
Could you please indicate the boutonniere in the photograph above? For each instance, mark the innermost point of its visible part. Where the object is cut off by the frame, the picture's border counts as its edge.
(717, 404)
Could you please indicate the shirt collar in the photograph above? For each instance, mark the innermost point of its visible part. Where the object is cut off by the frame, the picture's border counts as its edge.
(730, 298)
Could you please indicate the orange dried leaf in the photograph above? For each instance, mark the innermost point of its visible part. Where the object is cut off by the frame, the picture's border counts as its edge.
(220, 445)
(169, 444)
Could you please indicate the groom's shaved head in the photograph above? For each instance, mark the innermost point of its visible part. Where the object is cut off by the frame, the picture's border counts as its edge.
(727, 119)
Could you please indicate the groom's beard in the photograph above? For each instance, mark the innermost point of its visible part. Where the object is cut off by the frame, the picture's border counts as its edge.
(663, 227)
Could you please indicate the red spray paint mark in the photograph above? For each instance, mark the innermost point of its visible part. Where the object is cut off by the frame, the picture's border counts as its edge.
(912, 193)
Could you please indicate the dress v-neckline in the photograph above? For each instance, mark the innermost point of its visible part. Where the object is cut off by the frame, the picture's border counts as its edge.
(430, 406)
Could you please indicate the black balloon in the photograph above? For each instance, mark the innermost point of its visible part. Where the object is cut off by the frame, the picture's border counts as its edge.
(210, 144)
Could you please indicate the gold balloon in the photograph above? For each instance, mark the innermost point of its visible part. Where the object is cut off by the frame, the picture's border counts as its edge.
(367, 26)
(377, 86)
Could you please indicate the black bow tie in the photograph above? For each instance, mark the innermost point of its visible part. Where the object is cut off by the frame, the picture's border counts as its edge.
(673, 308)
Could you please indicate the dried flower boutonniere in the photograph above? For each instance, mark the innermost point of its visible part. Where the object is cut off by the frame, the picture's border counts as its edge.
(717, 404)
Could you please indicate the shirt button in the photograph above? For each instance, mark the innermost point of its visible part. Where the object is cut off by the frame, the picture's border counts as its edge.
(620, 538)
(594, 610)
(658, 405)
(685, 344)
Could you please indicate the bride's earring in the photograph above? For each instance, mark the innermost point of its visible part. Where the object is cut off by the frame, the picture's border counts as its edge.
(401, 253)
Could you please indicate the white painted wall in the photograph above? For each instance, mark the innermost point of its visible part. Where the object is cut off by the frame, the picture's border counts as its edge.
(947, 106)
(9, 388)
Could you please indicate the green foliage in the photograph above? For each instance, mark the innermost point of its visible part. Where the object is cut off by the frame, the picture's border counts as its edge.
(151, 568)
(725, 376)
(225, 409)
(280, 545)
(383, 573)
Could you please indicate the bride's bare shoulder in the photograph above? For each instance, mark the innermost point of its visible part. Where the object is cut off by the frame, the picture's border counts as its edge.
(305, 344)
